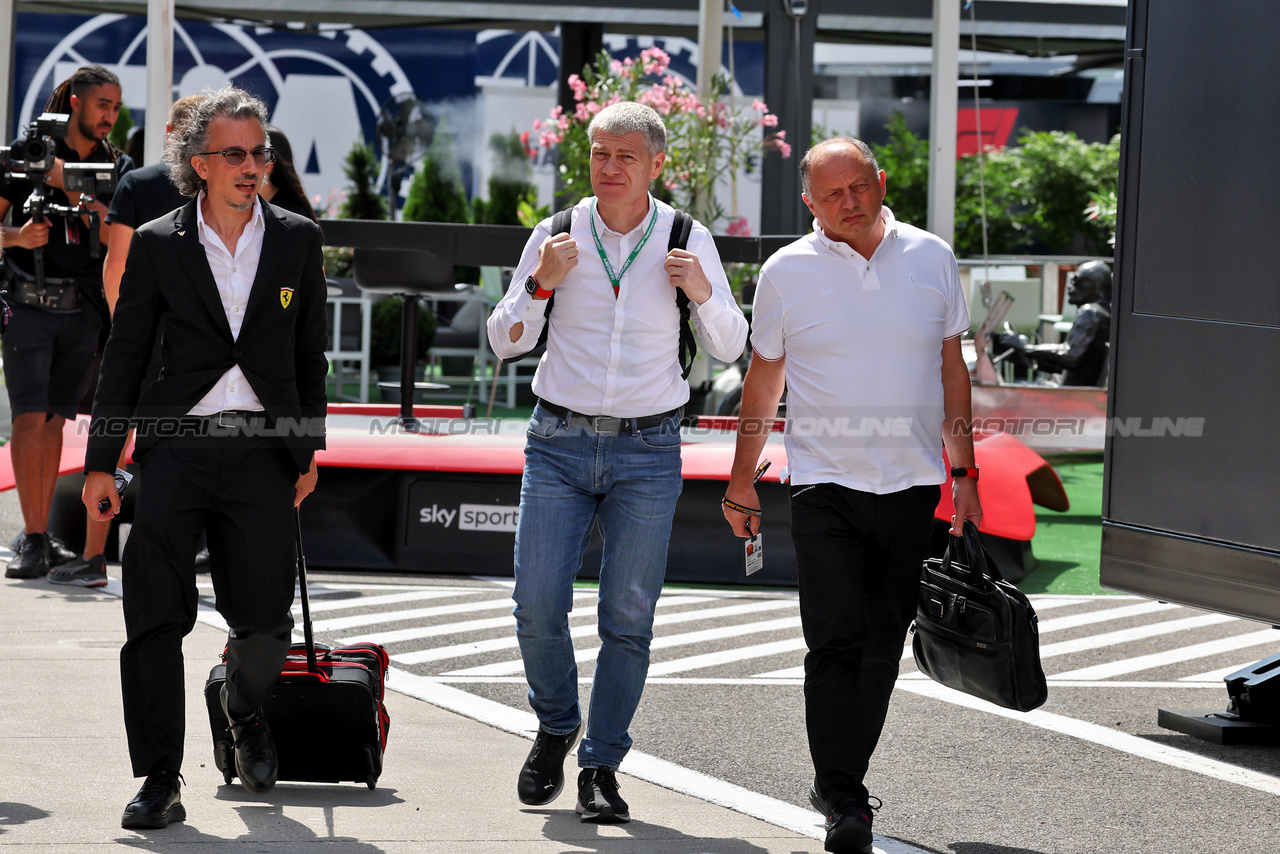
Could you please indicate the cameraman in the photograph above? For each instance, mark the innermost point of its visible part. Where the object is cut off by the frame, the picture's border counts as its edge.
(50, 344)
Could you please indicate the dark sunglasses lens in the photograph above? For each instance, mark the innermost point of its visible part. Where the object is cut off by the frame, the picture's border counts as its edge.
(234, 156)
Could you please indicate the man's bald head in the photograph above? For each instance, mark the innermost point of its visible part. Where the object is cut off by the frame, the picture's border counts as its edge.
(828, 147)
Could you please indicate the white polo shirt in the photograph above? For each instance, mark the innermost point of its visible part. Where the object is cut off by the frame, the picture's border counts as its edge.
(863, 344)
(617, 356)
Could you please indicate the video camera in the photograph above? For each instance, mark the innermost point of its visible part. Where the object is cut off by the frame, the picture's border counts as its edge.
(33, 158)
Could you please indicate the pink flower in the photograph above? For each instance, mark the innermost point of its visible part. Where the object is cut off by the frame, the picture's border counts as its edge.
(578, 86)
(769, 120)
(782, 134)
(549, 138)
(563, 123)
(655, 60)
(557, 112)
(581, 113)
(616, 66)
(760, 107)
(537, 124)
(593, 107)
(739, 227)
(784, 149)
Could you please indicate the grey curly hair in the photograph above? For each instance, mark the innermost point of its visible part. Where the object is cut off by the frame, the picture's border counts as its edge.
(626, 117)
(191, 138)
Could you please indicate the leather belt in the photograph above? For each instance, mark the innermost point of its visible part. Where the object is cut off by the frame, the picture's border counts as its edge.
(606, 424)
(229, 420)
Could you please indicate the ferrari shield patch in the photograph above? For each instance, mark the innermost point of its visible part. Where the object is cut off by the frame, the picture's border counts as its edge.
(286, 297)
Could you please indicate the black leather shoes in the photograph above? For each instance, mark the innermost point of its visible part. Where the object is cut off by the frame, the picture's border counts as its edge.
(257, 765)
(32, 558)
(542, 777)
(157, 804)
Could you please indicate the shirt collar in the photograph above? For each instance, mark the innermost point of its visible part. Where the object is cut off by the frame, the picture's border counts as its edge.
(839, 246)
(644, 220)
(255, 224)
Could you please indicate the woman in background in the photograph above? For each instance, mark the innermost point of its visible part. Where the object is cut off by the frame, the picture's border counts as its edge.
(283, 187)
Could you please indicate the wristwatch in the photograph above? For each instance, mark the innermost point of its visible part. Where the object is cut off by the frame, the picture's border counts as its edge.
(964, 471)
(535, 290)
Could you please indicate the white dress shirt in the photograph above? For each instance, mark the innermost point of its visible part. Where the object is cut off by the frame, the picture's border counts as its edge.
(617, 356)
(234, 276)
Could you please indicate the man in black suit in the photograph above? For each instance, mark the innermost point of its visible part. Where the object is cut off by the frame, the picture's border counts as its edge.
(234, 290)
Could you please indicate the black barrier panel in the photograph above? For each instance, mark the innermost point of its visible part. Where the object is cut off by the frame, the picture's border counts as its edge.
(1196, 332)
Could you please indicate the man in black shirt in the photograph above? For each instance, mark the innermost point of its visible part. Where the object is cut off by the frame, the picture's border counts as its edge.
(48, 349)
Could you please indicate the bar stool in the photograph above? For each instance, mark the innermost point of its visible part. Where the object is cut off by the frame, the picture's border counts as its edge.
(408, 274)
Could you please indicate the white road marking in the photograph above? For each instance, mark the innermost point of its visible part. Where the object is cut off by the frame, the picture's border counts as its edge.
(504, 668)
(639, 765)
(442, 653)
(1166, 627)
(1090, 618)
(395, 635)
(387, 599)
(1171, 656)
(1217, 676)
(728, 656)
(1100, 735)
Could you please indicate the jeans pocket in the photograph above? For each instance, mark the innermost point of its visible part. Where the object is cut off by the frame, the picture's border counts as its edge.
(664, 437)
(544, 425)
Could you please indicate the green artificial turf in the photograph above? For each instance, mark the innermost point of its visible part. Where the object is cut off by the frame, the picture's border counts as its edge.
(1067, 545)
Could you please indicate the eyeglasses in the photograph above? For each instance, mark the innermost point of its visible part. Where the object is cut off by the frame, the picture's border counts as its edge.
(236, 156)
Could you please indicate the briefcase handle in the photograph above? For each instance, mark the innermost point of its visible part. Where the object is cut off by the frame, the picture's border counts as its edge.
(978, 564)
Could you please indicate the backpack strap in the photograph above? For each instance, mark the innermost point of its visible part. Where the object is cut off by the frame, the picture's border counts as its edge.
(560, 224)
(681, 227)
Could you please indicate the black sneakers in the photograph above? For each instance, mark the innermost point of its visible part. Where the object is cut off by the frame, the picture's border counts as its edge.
(32, 558)
(848, 826)
(257, 764)
(542, 776)
(81, 572)
(157, 804)
(598, 798)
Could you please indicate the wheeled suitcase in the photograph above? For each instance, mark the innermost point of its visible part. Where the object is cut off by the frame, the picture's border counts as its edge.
(326, 713)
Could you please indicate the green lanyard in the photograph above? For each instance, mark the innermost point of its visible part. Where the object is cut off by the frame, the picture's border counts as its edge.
(616, 281)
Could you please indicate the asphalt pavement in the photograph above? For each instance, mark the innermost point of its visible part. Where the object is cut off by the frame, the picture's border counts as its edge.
(720, 764)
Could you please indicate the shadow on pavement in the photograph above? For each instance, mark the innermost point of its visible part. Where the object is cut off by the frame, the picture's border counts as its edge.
(565, 827)
(14, 814)
(986, 848)
(264, 823)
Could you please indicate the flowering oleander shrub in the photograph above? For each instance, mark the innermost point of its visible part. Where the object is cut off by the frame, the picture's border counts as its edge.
(707, 142)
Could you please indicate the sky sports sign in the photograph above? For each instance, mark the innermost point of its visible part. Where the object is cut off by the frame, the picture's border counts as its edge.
(471, 517)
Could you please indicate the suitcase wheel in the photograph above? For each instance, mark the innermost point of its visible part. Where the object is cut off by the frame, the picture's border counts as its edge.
(371, 779)
(224, 759)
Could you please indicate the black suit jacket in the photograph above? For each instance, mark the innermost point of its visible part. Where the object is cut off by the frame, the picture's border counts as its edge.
(168, 292)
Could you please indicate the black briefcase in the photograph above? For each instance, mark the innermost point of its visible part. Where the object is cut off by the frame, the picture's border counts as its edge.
(326, 713)
(976, 632)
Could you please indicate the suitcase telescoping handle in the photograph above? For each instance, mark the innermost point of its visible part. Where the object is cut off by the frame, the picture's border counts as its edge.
(306, 602)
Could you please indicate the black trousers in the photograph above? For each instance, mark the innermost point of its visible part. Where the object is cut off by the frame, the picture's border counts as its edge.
(859, 557)
(239, 490)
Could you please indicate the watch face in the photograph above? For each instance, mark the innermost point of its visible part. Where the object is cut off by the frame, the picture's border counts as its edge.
(530, 285)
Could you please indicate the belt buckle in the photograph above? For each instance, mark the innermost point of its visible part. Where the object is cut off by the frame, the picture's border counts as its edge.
(235, 419)
(606, 424)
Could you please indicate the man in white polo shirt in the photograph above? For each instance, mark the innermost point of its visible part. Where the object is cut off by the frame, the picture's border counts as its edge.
(604, 442)
(861, 322)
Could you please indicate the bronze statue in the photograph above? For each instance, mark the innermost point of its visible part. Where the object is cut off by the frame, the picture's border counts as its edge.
(1084, 354)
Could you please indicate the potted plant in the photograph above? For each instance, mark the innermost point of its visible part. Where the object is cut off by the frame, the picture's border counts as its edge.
(385, 326)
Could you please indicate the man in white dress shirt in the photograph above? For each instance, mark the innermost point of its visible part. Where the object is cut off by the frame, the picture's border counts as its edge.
(603, 443)
(234, 291)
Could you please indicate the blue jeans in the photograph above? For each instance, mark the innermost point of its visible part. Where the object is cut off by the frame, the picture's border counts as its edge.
(575, 478)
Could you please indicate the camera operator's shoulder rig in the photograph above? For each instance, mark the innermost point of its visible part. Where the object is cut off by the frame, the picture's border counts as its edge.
(32, 159)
